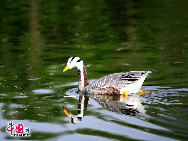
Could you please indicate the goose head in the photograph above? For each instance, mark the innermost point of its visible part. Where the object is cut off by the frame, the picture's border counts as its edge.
(74, 62)
(82, 73)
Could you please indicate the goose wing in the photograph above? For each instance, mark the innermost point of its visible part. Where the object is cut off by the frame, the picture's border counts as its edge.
(118, 80)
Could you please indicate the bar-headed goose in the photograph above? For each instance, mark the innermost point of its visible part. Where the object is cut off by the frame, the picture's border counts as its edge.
(117, 83)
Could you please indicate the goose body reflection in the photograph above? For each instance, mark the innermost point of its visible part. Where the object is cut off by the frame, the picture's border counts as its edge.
(128, 105)
(117, 83)
(121, 104)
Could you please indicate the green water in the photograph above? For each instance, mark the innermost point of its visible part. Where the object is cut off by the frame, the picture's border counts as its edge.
(37, 38)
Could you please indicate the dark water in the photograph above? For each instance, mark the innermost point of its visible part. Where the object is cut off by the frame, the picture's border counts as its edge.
(37, 38)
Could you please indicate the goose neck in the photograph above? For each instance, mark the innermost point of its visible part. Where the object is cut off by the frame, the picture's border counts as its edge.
(83, 79)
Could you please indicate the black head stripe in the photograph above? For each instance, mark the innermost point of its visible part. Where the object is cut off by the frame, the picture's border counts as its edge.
(73, 58)
(79, 60)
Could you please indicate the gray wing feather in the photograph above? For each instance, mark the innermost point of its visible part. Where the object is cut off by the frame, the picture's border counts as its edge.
(118, 80)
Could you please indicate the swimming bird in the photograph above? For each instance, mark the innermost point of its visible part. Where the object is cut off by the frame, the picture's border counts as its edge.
(117, 83)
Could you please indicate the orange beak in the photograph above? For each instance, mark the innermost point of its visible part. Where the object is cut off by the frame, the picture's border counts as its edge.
(66, 68)
(66, 111)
